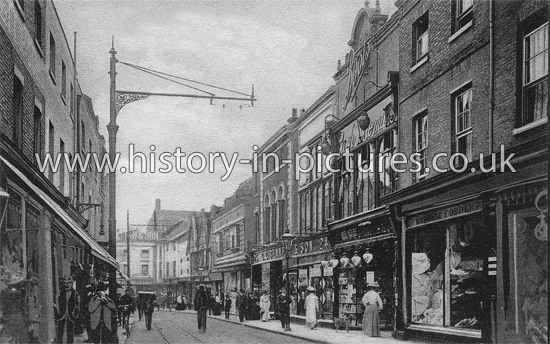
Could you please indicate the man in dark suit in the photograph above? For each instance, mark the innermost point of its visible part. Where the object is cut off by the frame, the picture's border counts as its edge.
(201, 306)
(240, 304)
(66, 310)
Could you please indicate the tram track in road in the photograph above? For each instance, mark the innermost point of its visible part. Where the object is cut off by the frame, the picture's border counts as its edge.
(181, 327)
(232, 334)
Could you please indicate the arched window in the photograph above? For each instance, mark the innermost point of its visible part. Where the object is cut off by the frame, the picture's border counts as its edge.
(274, 209)
(267, 221)
(282, 212)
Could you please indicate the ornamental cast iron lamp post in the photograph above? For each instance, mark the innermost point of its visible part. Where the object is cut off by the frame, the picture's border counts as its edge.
(288, 238)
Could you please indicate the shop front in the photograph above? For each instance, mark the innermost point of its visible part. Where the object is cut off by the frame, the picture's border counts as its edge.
(46, 258)
(308, 266)
(449, 268)
(364, 252)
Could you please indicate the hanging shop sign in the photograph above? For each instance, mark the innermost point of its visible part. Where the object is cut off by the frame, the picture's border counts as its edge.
(382, 116)
(357, 67)
(305, 247)
(446, 214)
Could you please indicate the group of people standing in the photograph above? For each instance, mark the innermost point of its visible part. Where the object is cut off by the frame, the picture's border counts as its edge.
(311, 305)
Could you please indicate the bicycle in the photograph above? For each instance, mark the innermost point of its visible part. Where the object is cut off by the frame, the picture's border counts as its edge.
(126, 319)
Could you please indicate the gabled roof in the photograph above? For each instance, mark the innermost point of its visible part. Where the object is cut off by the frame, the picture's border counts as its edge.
(167, 219)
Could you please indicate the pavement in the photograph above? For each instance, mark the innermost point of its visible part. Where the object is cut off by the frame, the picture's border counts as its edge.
(319, 335)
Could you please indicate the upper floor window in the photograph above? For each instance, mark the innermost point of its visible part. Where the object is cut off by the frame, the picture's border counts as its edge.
(63, 80)
(420, 38)
(144, 254)
(38, 23)
(37, 130)
(535, 75)
(421, 142)
(463, 125)
(51, 145)
(17, 111)
(387, 175)
(145, 270)
(62, 167)
(52, 55)
(463, 13)
(365, 178)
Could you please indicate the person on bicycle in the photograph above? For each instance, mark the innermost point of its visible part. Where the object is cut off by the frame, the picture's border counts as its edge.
(125, 306)
(148, 309)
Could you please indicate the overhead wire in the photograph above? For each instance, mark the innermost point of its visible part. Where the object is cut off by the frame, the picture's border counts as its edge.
(152, 71)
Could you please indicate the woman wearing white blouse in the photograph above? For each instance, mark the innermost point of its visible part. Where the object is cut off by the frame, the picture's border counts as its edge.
(373, 304)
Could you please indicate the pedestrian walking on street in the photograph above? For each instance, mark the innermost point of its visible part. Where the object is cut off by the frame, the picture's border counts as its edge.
(139, 305)
(265, 304)
(241, 305)
(148, 309)
(227, 306)
(90, 292)
(201, 306)
(312, 308)
(373, 304)
(101, 308)
(283, 303)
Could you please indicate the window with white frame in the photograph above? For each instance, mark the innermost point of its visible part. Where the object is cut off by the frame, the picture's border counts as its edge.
(463, 13)
(145, 270)
(535, 75)
(421, 142)
(463, 122)
(144, 254)
(420, 38)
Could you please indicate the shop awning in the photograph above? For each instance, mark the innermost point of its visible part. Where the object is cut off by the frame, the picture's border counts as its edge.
(123, 275)
(97, 250)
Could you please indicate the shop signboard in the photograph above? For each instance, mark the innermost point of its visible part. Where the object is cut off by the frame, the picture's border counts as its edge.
(382, 116)
(357, 67)
(446, 213)
(305, 247)
(359, 233)
(328, 271)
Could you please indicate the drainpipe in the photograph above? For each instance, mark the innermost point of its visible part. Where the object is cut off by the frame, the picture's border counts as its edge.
(491, 73)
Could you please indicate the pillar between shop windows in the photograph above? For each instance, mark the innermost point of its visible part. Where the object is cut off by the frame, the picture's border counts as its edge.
(47, 324)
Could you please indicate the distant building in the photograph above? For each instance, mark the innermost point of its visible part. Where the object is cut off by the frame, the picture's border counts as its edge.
(233, 234)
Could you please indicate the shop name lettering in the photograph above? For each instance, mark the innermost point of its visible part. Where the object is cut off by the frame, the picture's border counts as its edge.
(352, 135)
(355, 233)
(447, 213)
(303, 247)
(357, 68)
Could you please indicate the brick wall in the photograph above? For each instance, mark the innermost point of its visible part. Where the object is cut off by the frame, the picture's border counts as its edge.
(430, 86)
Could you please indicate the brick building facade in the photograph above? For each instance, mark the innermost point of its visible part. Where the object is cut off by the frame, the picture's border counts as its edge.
(47, 245)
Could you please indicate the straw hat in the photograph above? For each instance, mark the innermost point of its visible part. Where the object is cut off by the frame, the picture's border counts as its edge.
(310, 288)
(373, 285)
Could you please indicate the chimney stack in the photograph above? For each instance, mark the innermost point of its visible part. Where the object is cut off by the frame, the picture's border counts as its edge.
(294, 116)
(157, 205)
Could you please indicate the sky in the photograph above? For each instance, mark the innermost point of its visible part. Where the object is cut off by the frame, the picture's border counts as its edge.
(287, 49)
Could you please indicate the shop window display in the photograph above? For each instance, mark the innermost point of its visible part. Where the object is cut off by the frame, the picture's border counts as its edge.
(449, 282)
(427, 276)
(350, 295)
